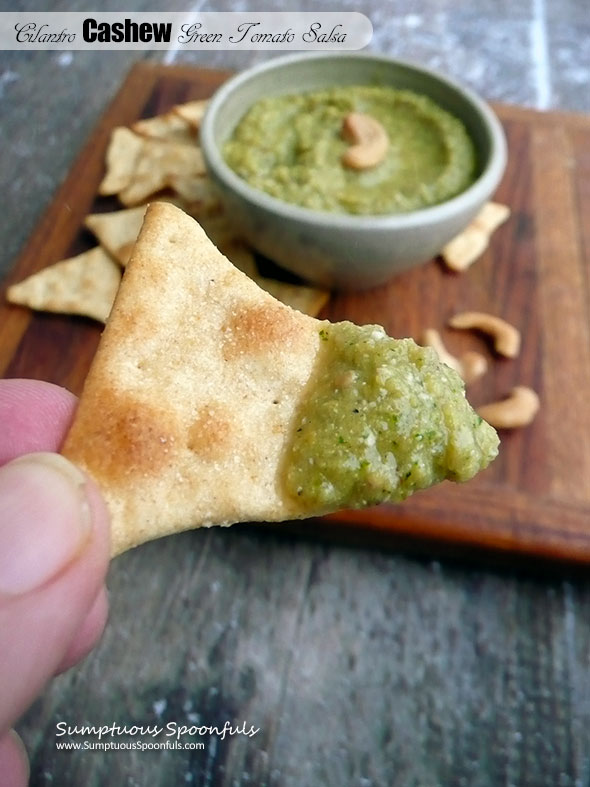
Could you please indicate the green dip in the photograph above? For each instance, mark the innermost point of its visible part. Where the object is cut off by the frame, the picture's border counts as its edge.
(291, 147)
(383, 418)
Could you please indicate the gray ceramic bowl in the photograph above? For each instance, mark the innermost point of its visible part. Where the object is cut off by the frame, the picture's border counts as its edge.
(347, 251)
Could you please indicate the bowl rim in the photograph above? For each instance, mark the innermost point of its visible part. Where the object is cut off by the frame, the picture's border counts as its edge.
(476, 193)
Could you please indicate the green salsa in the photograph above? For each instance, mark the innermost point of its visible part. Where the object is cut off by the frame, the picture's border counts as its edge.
(383, 419)
(291, 147)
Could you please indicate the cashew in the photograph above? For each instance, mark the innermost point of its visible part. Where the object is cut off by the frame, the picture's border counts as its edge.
(474, 366)
(469, 366)
(462, 251)
(506, 337)
(491, 216)
(369, 141)
(519, 409)
(432, 338)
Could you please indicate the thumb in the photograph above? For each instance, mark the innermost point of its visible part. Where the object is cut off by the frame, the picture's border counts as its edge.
(54, 551)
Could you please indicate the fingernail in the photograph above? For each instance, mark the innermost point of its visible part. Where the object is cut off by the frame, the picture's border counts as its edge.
(45, 520)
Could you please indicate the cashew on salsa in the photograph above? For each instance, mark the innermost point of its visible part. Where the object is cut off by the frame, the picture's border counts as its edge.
(368, 138)
(410, 153)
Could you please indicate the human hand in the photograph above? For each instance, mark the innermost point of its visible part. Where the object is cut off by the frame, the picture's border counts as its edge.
(54, 552)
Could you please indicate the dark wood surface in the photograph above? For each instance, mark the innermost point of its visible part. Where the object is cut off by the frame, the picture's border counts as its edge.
(362, 666)
(534, 499)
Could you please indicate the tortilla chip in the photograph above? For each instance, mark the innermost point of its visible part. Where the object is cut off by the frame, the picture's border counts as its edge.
(464, 249)
(157, 162)
(194, 395)
(117, 231)
(193, 112)
(85, 285)
(171, 126)
(198, 193)
(308, 300)
(239, 255)
(220, 230)
(196, 379)
(122, 154)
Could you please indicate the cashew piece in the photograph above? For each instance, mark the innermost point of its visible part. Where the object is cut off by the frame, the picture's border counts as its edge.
(369, 141)
(474, 366)
(432, 338)
(469, 366)
(462, 251)
(506, 337)
(519, 409)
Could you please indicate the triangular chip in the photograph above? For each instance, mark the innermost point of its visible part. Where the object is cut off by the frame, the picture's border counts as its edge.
(117, 231)
(221, 233)
(193, 112)
(122, 155)
(84, 285)
(209, 402)
(198, 193)
(170, 126)
(239, 255)
(157, 162)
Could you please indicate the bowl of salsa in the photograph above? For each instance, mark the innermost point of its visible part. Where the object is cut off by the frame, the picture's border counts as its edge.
(349, 168)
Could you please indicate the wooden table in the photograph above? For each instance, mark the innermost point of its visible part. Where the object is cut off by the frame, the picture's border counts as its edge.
(360, 666)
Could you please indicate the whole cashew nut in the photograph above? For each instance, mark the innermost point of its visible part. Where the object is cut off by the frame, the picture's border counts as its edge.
(519, 409)
(506, 337)
(369, 141)
(469, 366)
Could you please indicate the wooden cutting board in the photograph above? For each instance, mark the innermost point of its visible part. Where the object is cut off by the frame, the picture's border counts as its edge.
(535, 498)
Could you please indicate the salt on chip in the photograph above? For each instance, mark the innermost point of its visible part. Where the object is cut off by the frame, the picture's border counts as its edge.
(84, 285)
(157, 162)
(187, 409)
(117, 231)
(121, 158)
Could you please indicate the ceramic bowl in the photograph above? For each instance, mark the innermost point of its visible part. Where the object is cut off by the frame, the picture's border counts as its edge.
(341, 250)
